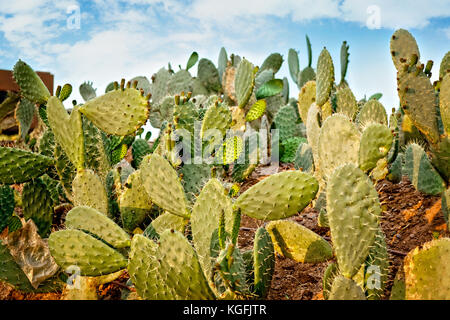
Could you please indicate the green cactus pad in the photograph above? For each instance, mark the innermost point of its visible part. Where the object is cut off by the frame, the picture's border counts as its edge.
(395, 170)
(195, 177)
(417, 98)
(37, 204)
(143, 268)
(139, 149)
(90, 220)
(168, 221)
(31, 86)
(346, 103)
(6, 205)
(244, 82)
(263, 261)
(376, 141)
(222, 62)
(217, 117)
(403, 46)
(279, 196)
(95, 153)
(426, 270)
(162, 112)
(24, 115)
(163, 185)
(67, 130)
(206, 213)
(179, 82)
(329, 275)
(372, 111)
(294, 64)
(440, 157)
(269, 88)
(353, 211)
(306, 97)
(88, 190)
(297, 242)
(444, 103)
(65, 170)
(325, 77)
(273, 61)
(420, 171)
(289, 148)
(256, 111)
(11, 273)
(346, 289)
(377, 268)
(120, 112)
(135, 204)
(208, 75)
(304, 160)
(338, 143)
(159, 86)
(180, 267)
(18, 166)
(92, 256)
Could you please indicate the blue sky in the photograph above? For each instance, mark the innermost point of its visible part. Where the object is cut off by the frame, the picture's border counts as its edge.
(124, 39)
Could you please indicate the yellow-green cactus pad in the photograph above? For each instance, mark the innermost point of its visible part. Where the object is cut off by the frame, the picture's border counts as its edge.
(346, 289)
(306, 97)
(372, 111)
(244, 82)
(444, 103)
(119, 112)
(427, 270)
(93, 257)
(325, 77)
(376, 141)
(294, 241)
(163, 185)
(403, 46)
(346, 102)
(68, 130)
(338, 143)
(89, 219)
(353, 211)
(88, 190)
(31, 86)
(279, 196)
(167, 221)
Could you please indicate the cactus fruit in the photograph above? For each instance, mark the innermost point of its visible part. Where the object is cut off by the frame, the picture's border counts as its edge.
(92, 256)
(120, 112)
(90, 220)
(37, 204)
(420, 172)
(376, 141)
(345, 289)
(403, 45)
(6, 205)
(353, 216)
(306, 97)
(338, 144)
(279, 196)
(325, 77)
(372, 111)
(210, 205)
(297, 242)
(346, 103)
(134, 204)
(426, 270)
(88, 190)
(67, 130)
(18, 166)
(87, 91)
(244, 82)
(163, 186)
(31, 86)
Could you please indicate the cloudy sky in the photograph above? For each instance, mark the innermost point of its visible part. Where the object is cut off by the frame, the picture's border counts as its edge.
(102, 41)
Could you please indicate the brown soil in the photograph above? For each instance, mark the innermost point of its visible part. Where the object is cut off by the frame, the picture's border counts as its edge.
(409, 219)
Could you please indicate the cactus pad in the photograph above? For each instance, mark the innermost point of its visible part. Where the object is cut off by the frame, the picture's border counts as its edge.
(325, 77)
(372, 111)
(346, 103)
(88, 190)
(403, 46)
(306, 97)
(297, 242)
(263, 262)
(376, 141)
(444, 103)
(31, 86)
(346, 289)
(279, 196)
(244, 82)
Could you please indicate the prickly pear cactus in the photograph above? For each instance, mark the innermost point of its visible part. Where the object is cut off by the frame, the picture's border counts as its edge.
(372, 111)
(263, 262)
(376, 141)
(31, 86)
(345, 289)
(353, 211)
(325, 77)
(244, 82)
(279, 196)
(425, 269)
(346, 103)
(306, 97)
(403, 45)
(88, 190)
(6, 205)
(297, 242)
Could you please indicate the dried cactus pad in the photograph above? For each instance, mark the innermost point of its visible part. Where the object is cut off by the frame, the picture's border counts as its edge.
(297, 242)
(427, 270)
(89, 219)
(119, 112)
(353, 210)
(279, 196)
